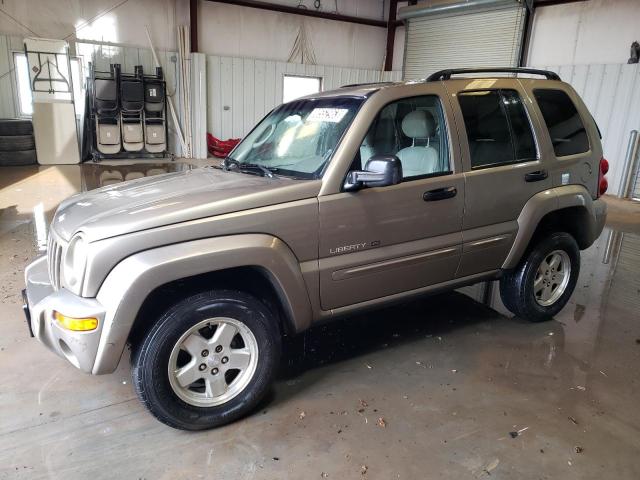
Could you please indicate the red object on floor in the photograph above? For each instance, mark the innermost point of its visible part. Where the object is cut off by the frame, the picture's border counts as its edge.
(220, 148)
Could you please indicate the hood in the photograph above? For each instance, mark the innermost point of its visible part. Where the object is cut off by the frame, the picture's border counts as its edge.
(172, 198)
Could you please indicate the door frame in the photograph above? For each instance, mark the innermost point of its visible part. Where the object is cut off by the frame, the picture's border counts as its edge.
(335, 174)
(418, 249)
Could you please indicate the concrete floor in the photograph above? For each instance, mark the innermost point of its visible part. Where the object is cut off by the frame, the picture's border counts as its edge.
(450, 377)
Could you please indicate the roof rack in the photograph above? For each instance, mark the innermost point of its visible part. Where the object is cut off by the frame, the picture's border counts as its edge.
(446, 74)
(365, 84)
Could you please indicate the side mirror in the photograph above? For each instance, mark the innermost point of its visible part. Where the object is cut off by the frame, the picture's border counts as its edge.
(380, 171)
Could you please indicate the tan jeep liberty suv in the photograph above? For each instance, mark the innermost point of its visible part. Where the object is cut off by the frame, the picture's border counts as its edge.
(333, 203)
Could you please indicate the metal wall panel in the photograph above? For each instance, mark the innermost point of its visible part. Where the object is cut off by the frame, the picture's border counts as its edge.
(612, 94)
(243, 90)
(199, 98)
(476, 39)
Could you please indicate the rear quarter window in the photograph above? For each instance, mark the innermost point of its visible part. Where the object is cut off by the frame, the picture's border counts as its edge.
(567, 132)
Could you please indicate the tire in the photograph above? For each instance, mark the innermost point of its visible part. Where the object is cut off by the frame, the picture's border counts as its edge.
(184, 407)
(17, 143)
(14, 159)
(15, 126)
(517, 286)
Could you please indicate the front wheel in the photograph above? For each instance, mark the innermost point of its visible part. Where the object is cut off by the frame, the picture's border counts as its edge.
(542, 284)
(208, 360)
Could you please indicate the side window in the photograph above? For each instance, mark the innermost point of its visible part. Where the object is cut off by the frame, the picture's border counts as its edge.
(414, 130)
(566, 129)
(498, 128)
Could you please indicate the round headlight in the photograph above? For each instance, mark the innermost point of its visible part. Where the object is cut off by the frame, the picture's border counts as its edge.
(75, 262)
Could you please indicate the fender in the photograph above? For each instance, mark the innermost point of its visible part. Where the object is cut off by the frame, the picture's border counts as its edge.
(134, 278)
(548, 201)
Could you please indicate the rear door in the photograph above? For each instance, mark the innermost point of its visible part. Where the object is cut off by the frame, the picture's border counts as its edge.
(570, 135)
(503, 167)
(377, 242)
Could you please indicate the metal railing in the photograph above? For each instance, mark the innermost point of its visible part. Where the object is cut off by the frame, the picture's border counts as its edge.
(631, 168)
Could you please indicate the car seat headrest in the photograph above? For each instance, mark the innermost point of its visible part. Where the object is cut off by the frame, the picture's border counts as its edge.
(418, 124)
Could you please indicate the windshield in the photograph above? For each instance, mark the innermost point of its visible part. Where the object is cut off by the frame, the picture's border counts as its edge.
(298, 138)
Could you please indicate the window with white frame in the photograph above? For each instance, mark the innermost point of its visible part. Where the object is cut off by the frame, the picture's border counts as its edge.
(295, 86)
(25, 99)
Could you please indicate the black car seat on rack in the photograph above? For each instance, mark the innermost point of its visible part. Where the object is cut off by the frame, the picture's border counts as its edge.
(155, 113)
(131, 107)
(106, 106)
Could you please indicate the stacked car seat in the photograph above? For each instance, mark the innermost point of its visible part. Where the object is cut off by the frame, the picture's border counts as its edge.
(125, 115)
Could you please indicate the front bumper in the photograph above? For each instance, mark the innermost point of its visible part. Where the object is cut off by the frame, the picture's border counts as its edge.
(79, 348)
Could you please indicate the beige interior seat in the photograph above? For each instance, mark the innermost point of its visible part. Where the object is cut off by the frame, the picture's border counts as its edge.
(418, 160)
(380, 140)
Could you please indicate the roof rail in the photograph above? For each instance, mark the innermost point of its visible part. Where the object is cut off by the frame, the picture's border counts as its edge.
(446, 74)
(365, 84)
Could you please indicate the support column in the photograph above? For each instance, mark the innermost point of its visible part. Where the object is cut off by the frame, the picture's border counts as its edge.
(391, 35)
(193, 24)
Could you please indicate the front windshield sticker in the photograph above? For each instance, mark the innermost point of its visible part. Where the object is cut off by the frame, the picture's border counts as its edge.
(333, 115)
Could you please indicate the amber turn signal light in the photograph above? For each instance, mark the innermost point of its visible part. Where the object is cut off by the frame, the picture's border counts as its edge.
(76, 324)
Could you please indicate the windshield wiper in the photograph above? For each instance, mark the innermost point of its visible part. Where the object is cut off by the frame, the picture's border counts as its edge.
(231, 163)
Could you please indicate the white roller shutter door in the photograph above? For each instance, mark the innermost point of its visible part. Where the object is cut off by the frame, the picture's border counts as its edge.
(490, 38)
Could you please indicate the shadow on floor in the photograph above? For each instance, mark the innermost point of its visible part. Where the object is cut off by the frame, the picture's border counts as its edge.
(350, 337)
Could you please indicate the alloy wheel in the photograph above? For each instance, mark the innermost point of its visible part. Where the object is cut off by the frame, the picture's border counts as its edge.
(213, 361)
(552, 277)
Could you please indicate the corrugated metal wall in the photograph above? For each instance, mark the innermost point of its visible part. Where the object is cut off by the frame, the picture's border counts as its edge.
(243, 90)
(612, 94)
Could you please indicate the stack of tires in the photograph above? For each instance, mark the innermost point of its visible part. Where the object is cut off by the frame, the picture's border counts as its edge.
(17, 146)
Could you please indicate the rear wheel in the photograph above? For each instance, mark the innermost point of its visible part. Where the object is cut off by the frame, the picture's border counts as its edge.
(545, 279)
(208, 361)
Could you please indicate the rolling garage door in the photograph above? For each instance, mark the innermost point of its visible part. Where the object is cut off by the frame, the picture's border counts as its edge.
(474, 33)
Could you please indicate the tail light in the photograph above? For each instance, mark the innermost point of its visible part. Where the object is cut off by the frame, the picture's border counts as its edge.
(602, 179)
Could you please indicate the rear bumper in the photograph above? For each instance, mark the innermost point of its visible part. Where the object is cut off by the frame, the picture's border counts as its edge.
(79, 348)
(600, 214)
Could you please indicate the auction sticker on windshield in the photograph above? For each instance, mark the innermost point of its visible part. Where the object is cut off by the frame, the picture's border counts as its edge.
(333, 115)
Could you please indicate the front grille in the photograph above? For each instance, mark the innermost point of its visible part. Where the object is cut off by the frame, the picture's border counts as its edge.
(54, 259)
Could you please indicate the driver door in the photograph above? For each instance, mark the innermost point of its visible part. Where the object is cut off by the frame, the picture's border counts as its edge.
(382, 241)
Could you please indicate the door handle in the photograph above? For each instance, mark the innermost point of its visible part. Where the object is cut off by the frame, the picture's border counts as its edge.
(439, 194)
(536, 176)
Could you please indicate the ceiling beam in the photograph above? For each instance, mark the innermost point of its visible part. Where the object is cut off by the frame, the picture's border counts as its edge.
(272, 7)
